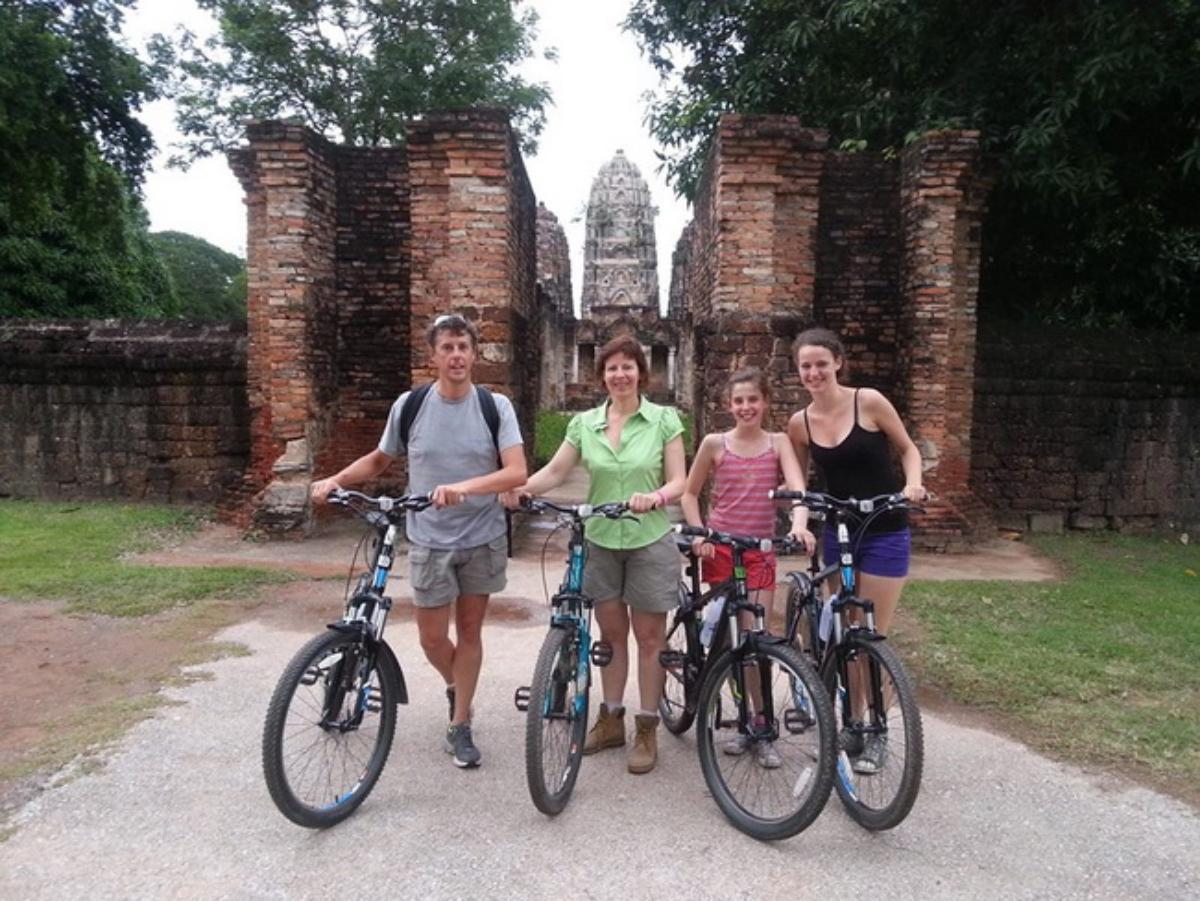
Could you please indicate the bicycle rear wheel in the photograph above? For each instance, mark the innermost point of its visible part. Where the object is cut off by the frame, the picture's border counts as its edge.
(681, 639)
(770, 773)
(329, 729)
(555, 722)
(885, 732)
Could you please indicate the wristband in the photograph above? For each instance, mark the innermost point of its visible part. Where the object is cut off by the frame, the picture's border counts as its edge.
(662, 498)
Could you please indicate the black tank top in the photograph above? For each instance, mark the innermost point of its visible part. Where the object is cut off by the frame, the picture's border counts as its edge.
(861, 466)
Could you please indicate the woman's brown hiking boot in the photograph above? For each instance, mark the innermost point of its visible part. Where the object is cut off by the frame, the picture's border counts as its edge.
(607, 732)
(644, 753)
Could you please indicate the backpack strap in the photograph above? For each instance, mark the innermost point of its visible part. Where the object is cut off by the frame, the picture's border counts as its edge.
(491, 415)
(409, 412)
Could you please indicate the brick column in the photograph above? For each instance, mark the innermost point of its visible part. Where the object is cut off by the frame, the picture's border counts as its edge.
(758, 214)
(287, 172)
(474, 248)
(941, 206)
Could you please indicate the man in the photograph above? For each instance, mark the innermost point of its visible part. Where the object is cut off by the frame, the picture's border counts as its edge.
(458, 547)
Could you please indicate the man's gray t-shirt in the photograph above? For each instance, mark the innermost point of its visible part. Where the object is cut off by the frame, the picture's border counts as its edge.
(449, 442)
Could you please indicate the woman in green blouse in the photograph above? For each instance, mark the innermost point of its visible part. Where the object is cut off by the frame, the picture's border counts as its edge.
(633, 450)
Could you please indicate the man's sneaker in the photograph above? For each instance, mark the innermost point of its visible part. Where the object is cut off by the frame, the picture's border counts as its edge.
(768, 757)
(736, 745)
(874, 752)
(458, 743)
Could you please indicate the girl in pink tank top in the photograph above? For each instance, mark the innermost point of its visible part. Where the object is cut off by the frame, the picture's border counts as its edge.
(745, 463)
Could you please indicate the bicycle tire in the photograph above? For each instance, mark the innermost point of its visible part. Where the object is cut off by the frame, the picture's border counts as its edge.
(796, 789)
(314, 771)
(881, 800)
(555, 722)
(673, 708)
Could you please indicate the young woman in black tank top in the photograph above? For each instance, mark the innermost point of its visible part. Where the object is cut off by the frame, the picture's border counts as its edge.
(851, 435)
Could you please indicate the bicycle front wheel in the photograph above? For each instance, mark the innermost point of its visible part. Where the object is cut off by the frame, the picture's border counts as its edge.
(882, 746)
(679, 668)
(329, 729)
(768, 765)
(555, 722)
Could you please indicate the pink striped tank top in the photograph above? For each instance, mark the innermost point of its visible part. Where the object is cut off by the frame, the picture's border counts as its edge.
(739, 497)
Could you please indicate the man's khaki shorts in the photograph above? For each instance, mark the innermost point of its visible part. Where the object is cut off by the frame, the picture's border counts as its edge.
(438, 577)
(645, 578)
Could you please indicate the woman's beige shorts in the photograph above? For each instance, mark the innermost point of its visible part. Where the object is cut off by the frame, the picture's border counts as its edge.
(645, 578)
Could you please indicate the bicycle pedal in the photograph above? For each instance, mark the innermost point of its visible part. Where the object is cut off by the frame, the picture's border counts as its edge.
(671, 659)
(374, 700)
(311, 675)
(521, 698)
(602, 653)
(796, 721)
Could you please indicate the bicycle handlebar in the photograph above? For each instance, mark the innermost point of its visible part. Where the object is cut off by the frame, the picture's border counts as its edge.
(344, 497)
(611, 510)
(784, 545)
(820, 502)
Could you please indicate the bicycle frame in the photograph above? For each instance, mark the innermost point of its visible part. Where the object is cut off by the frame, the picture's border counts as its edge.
(729, 632)
(571, 609)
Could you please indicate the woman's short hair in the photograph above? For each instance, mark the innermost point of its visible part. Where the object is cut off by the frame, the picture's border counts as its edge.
(632, 348)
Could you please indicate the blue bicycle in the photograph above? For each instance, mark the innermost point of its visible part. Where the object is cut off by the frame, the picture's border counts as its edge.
(556, 701)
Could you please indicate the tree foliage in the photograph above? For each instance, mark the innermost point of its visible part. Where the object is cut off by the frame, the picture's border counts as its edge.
(72, 153)
(1090, 113)
(354, 70)
(209, 282)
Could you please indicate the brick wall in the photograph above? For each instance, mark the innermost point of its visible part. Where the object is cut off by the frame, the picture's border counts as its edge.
(788, 234)
(858, 264)
(148, 411)
(372, 317)
(1097, 430)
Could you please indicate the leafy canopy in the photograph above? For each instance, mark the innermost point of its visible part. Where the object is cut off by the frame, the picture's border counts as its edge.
(209, 282)
(353, 70)
(72, 155)
(1090, 113)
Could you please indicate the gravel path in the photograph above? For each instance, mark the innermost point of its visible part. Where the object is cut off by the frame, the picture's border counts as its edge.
(181, 811)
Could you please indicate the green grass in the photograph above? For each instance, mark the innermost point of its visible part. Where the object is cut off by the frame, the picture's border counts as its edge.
(1102, 667)
(551, 428)
(71, 552)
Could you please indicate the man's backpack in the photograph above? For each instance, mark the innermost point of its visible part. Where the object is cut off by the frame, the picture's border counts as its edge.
(487, 405)
(412, 406)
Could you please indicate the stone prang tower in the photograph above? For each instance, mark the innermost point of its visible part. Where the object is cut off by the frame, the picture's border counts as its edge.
(620, 261)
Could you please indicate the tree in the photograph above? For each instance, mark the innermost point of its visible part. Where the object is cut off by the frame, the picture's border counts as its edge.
(353, 70)
(209, 282)
(1090, 112)
(68, 91)
(72, 154)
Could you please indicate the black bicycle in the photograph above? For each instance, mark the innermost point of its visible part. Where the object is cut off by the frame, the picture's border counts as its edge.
(766, 734)
(332, 715)
(881, 753)
(556, 701)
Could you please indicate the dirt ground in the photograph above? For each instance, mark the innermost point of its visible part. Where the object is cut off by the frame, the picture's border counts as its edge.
(73, 681)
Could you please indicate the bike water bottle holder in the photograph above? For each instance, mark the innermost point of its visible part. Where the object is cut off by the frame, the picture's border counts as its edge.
(602, 653)
(521, 698)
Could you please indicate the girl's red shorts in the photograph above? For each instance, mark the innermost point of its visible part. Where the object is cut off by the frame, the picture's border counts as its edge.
(760, 567)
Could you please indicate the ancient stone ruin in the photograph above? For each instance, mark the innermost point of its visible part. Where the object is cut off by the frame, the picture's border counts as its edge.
(351, 252)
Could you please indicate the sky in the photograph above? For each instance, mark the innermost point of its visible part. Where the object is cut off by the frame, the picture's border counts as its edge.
(598, 83)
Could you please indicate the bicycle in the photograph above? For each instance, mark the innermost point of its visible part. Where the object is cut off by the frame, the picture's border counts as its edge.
(556, 700)
(765, 731)
(332, 715)
(879, 713)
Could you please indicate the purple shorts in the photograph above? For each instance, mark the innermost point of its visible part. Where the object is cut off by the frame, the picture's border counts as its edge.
(880, 554)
